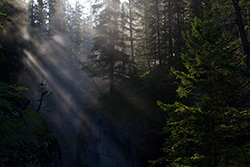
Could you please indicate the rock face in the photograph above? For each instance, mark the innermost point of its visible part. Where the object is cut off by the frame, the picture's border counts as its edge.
(105, 146)
(85, 137)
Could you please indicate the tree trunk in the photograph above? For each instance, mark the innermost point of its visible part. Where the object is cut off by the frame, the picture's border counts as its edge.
(241, 30)
(178, 28)
(248, 19)
(170, 41)
(40, 14)
(146, 34)
(32, 17)
(165, 40)
(131, 30)
(158, 31)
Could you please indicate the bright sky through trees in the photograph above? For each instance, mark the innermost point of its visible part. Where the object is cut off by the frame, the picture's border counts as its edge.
(72, 2)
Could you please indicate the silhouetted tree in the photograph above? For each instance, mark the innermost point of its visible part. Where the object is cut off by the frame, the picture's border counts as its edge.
(107, 58)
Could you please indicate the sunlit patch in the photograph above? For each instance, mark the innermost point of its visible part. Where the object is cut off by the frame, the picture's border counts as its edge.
(30, 58)
(72, 2)
(51, 60)
(32, 64)
(59, 39)
(25, 33)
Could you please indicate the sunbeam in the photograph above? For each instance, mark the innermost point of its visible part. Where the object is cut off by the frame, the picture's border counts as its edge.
(124, 83)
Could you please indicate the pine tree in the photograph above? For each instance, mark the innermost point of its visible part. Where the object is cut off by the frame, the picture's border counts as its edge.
(209, 126)
(155, 31)
(241, 30)
(75, 29)
(107, 56)
(141, 36)
(11, 39)
(38, 12)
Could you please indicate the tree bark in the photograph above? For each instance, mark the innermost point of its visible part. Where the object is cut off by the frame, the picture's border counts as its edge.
(248, 20)
(158, 31)
(131, 30)
(170, 41)
(241, 30)
(146, 34)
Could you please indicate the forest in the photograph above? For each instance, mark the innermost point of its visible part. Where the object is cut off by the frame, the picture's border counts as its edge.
(132, 83)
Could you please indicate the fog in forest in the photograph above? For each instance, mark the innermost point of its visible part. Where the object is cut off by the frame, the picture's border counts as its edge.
(133, 83)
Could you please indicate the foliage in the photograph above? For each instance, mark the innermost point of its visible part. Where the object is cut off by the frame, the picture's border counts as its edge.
(210, 126)
(25, 136)
(132, 107)
(10, 41)
(159, 84)
(108, 60)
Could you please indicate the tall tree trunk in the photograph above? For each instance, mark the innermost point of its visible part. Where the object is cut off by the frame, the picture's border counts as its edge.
(178, 28)
(131, 30)
(165, 40)
(52, 12)
(112, 62)
(111, 47)
(40, 14)
(170, 41)
(123, 29)
(241, 30)
(112, 78)
(248, 18)
(32, 13)
(158, 31)
(146, 34)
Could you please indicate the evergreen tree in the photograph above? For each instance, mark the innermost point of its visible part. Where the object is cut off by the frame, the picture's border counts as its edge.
(131, 30)
(197, 8)
(162, 26)
(173, 26)
(154, 31)
(241, 30)
(141, 35)
(53, 16)
(38, 16)
(107, 56)
(11, 39)
(209, 126)
(75, 29)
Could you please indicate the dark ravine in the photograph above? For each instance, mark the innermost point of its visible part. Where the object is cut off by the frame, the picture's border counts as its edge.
(85, 137)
